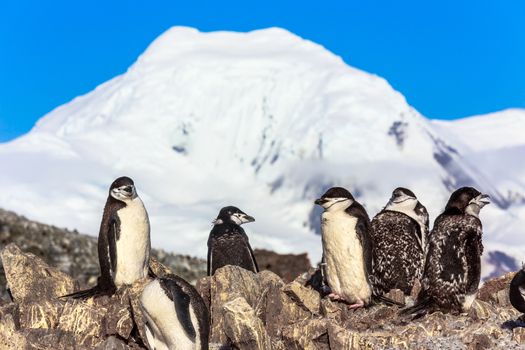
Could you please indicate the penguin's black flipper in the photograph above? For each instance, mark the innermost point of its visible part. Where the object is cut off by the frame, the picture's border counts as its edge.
(181, 301)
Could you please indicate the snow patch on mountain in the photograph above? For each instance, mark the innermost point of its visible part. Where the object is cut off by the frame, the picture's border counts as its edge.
(265, 121)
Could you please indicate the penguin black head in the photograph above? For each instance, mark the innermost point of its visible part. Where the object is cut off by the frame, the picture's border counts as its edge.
(336, 198)
(402, 197)
(466, 200)
(123, 189)
(233, 215)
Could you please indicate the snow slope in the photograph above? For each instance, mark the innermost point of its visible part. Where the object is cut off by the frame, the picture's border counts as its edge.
(263, 120)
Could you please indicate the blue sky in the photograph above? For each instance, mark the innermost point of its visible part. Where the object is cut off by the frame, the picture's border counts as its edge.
(449, 58)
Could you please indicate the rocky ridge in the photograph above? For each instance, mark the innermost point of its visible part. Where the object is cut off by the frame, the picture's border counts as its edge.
(76, 254)
(248, 311)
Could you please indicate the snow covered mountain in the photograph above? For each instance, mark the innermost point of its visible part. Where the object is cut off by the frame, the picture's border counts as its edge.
(266, 121)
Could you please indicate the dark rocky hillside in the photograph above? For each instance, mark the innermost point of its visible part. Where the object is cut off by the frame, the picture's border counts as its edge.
(76, 254)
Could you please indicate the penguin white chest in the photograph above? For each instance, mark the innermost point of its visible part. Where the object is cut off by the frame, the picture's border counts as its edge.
(164, 329)
(344, 257)
(133, 245)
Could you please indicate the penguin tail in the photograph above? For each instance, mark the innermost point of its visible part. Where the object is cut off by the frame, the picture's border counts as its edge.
(379, 298)
(96, 291)
(419, 309)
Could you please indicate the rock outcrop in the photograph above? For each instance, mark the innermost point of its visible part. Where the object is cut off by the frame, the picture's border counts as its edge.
(248, 311)
(76, 254)
(260, 311)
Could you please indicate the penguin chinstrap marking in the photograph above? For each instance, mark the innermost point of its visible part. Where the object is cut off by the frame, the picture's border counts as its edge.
(400, 236)
(517, 290)
(123, 240)
(228, 244)
(347, 247)
(453, 267)
(176, 316)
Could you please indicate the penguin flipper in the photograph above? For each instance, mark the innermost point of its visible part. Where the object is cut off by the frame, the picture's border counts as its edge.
(181, 301)
(252, 255)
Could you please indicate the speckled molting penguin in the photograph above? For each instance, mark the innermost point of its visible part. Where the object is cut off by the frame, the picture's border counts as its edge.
(347, 247)
(453, 267)
(517, 290)
(123, 240)
(176, 316)
(228, 244)
(400, 233)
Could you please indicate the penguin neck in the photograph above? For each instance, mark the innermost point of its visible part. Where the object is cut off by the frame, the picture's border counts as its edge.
(473, 209)
(406, 207)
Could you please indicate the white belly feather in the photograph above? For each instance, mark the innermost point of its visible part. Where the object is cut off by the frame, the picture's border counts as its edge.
(133, 245)
(344, 258)
(164, 328)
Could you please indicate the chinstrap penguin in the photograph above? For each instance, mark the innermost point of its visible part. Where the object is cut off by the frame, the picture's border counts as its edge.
(517, 290)
(176, 316)
(123, 240)
(399, 233)
(347, 247)
(228, 244)
(453, 267)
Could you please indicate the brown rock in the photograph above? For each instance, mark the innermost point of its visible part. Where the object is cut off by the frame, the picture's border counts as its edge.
(282, 311)
(416, 288)
(136, 310)
(480, 310)
(229, 283)
(490, 288)
(480, 342)
(43, 314)
(518, 335)
(30, 278)
(286, 266)
(502, 297)
(158, 269)
(203, 287)
(242, 326)
(119, 320)
(396, 295)
(112, 343)
(84, 320)
(304, 334)
(341, 338)
(10, 338)
(304, 297)
(53, 339)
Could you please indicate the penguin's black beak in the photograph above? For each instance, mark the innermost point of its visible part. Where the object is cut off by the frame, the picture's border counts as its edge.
(320, 201)
(484, 198)
(128, 189)
(248, 218)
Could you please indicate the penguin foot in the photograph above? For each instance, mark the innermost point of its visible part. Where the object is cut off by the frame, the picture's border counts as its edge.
(335, 297)
(357, 305)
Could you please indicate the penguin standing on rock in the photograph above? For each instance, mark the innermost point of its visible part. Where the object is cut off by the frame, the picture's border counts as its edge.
(228, 244)
(176, 316)
(453, 267)
(347, 247)
(123, 240)
(517, 290)
(400, 234)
